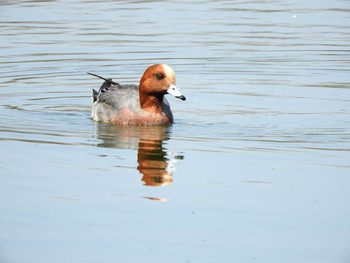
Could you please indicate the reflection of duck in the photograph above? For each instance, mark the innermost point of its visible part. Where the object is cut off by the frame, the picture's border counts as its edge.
(154, 162)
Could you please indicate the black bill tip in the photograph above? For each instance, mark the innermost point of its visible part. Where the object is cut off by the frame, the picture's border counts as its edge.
(182, 97)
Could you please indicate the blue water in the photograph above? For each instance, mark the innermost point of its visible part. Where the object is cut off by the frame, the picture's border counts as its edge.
(255, 168)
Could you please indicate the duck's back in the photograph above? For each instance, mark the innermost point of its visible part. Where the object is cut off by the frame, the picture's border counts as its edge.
(115, 101)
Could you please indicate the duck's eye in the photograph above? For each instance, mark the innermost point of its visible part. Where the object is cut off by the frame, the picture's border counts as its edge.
(159, 76)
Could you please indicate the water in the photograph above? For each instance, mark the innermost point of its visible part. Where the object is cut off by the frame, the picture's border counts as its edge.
(255, 169)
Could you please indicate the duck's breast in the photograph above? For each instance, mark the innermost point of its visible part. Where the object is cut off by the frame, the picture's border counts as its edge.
(167, 110)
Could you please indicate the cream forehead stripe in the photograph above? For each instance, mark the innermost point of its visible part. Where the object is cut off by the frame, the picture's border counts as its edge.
(168, 70)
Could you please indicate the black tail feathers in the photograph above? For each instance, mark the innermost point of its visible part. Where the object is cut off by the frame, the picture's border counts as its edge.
(109, 80)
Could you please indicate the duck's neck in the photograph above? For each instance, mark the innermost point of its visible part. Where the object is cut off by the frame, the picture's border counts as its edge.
(151, 103)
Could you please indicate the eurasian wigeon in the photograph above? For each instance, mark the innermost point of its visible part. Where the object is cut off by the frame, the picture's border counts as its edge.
(137, 105)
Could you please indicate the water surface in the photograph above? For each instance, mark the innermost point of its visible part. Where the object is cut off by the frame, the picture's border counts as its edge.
(255, 169)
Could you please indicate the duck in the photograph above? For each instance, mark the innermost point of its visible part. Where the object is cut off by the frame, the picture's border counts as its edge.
(143, 104)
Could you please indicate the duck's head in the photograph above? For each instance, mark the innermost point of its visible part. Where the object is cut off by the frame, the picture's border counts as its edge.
(158, 80)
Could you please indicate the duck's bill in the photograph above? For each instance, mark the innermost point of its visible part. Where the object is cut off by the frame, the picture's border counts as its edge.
(174, 91)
